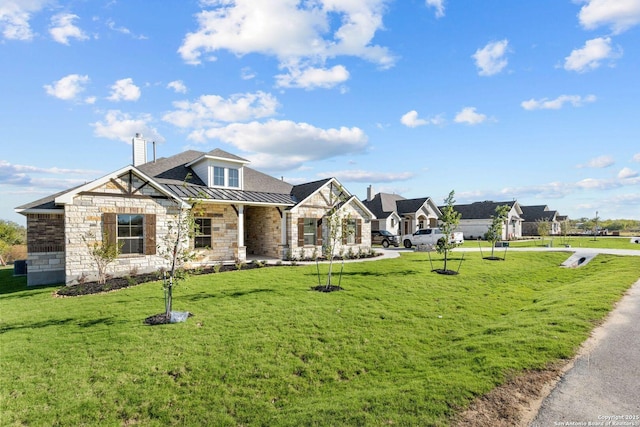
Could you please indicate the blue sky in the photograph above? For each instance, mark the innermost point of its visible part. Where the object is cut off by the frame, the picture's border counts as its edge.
(536, 101)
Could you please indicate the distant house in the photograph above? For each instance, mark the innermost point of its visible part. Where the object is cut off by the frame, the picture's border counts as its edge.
(242, 213)
(477, 217)
(399, 215)
(533, 215)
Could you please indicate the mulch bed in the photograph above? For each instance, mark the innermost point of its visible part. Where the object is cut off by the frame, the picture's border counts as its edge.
(159, 319)
(116, 283)
(325, 288)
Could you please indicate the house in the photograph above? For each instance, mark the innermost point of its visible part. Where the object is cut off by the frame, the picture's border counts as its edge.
(533, 215)
(240, 213)
(476, 218)
(400, 216)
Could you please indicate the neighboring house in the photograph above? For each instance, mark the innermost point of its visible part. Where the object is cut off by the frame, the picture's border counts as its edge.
(240, 213)
(477, 217)
(533, 215)
(400, 216)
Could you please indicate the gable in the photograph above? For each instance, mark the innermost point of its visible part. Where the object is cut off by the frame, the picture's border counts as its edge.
(126, 182)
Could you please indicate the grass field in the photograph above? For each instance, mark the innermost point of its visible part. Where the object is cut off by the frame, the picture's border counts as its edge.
(399, 345)
(606, 242)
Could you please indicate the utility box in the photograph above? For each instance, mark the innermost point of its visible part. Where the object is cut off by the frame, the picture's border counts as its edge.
(20, 267)
(502, 244)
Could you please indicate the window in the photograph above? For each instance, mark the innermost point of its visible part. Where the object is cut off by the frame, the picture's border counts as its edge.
(218, 175)
(350, 230)
(131, 234)
(203, 233)
(234, 178)
(310, 228)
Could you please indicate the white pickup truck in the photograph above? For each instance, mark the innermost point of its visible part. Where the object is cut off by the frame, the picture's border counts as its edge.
(430, 236)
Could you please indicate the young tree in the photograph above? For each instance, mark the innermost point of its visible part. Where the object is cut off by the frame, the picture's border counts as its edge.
(544, 228)
(337, 230)
(176, 250)
(494, 233)
(104, 252)
(449, 222)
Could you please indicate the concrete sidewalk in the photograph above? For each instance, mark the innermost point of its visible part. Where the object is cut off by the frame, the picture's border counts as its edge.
(603, 385)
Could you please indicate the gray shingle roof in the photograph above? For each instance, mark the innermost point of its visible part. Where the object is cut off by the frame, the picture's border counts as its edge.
(383, 204)
(302, 191)
(480, 210)
(537, 213)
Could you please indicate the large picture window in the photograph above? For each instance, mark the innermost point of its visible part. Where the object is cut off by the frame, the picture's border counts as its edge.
(131, 233)
(203, 233)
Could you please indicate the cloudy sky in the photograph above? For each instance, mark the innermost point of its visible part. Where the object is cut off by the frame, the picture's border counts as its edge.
(498, 99)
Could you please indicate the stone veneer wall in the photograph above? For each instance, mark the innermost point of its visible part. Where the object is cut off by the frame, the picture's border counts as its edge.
(45, 249)
(316, 207)
(224, 230)
(263, 235)
(84, 218)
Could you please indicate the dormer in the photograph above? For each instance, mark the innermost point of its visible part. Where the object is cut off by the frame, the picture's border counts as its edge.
(219, 169)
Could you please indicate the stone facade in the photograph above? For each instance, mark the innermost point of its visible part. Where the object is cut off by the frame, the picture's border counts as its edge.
(59, 244)
(263, 231)
(317, 206)
(224, 234)
(84, 224)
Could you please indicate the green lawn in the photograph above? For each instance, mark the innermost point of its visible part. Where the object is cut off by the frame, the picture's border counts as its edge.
(399, 345)
(606, 242)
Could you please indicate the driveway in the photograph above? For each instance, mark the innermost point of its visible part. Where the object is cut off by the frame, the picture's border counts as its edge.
(603, 385)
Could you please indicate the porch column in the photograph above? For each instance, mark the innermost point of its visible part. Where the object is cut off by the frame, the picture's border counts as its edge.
(242, 249)
(283, 228)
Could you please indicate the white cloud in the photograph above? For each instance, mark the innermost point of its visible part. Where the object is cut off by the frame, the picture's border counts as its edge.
(208, 110)
(311, 78)
(122, 126)
(178, 86)
(599, 162)
(438, 5)
(411, 120)
(626, 173)
(123, 30)
(124, 90)
(620, 15)
(367, 176)
(15, 16)
(247, 73)
(68, 88)
(591, 55)
(284, 144)
(299, 34)
(62, 28)
(491, 59)
(469, 116)
(636, 157)
(556, 104)
(21, 175)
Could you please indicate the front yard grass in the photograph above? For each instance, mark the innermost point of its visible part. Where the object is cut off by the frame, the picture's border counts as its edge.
(400, 345)
(576, 242)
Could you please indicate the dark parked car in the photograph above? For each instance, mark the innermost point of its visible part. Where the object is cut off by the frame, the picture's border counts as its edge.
(384, 238)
